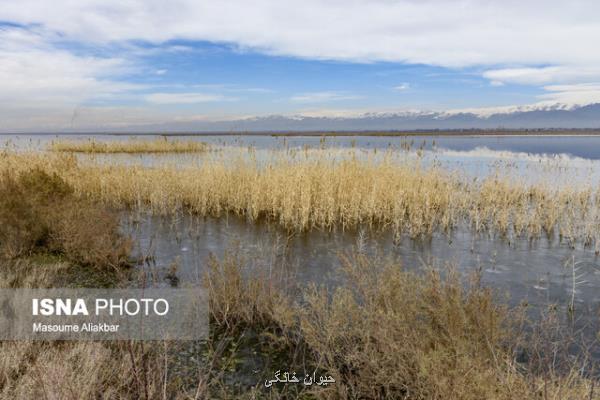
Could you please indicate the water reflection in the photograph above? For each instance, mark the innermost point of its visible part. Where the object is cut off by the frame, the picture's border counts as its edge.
(581, 146)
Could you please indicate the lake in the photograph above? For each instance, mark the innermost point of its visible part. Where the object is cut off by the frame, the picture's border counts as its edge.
(539, 272)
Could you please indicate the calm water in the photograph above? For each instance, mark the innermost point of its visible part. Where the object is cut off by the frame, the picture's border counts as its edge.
(538, 270)
(587, 147)
(538, 273)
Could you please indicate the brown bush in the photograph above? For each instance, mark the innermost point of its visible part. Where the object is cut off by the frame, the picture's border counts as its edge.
(83, 370)
(392, 334)
(39, 212)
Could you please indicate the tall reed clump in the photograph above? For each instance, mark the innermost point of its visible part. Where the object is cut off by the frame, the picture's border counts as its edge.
(346, 194)
(322, 193)
(39, 213)
(248, 300)
(128, 146)
(298, 196)
(392, 334)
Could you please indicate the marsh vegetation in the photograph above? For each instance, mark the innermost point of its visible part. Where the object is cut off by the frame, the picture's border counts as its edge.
(163, 145)
(382, 331)
(40, 214)
(388, 333)
(321, 191)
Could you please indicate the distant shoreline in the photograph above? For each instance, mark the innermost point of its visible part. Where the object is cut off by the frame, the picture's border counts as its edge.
(457, 132)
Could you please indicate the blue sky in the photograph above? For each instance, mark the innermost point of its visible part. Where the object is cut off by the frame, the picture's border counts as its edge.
(255, 83)
(110, 63)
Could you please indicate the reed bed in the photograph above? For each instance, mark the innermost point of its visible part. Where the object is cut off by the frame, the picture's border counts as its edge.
(129, 146)
(383, 333)
(302, 194)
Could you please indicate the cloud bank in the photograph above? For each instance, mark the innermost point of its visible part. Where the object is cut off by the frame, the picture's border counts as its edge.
(550, 44)
(435, 32)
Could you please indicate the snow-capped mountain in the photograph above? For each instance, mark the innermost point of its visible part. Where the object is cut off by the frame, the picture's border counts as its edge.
(539, 116)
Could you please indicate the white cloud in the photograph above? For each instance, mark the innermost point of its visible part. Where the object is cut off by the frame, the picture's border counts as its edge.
(323, 97)
(402, 87)
(562, 84)
(544, 75)
(469, 33)
(438, 32)
(586, 93)
(184, 98)
(545, 43)
(46, 87)
(32, 72)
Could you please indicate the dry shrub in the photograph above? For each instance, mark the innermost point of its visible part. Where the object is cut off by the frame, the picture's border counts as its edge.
(385, 333)
(83, 370)
(393, 334)
(23, 201)
(39, 212)
(89, 235)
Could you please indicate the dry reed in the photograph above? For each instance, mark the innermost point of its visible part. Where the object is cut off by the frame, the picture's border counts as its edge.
(387, 333)
(129, 146)
(329, 194)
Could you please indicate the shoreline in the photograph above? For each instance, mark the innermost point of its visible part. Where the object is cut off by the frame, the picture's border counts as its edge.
(445, 133)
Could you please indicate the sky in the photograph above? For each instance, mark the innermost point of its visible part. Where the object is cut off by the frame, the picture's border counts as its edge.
(69, 64)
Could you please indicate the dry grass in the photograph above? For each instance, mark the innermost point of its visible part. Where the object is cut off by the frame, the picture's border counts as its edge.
(79, 370)
(325, 193)
(129, 146)
(103, 370)
(71, 370)
(384, 334)
(392, 334)
(387, 334)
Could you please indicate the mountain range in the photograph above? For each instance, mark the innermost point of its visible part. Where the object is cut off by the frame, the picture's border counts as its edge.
(548, 117)
(553, 116)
